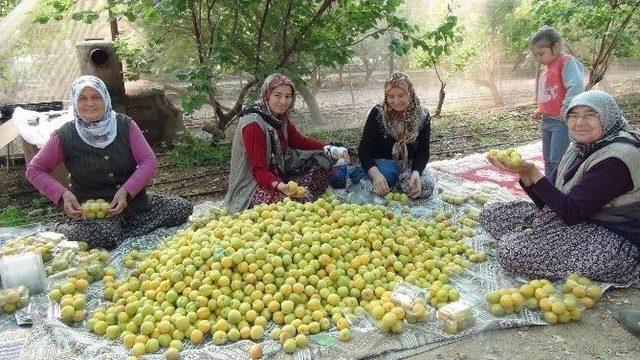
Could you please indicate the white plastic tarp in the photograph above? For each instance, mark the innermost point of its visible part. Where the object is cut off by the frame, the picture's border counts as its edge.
(36, 127)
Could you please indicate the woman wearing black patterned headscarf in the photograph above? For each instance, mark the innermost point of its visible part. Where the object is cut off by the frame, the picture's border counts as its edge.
(586, 215)
(394, 148)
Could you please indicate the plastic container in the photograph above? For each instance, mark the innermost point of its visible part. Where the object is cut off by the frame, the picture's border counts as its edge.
(457, 316)
(23, 269)
(407, 295)
(13, 299)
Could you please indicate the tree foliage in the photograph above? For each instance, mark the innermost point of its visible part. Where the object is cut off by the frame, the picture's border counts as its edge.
(207, 40)
(6, 6)
(369, 55)
(599, 29)
(438, 46)
(482, 52)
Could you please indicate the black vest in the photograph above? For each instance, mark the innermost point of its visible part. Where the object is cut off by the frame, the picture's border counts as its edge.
(99, 173)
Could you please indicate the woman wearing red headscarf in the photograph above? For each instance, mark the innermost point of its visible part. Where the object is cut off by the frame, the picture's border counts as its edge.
(261, 158)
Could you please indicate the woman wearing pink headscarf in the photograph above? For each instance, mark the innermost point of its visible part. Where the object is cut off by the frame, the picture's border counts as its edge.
(261, 152)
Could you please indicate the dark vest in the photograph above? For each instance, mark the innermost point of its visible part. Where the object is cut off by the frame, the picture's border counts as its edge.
(99, 173)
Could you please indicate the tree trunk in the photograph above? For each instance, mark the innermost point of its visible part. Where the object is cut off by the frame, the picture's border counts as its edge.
(353, 98)
(537, 83)
(318, 81)
(312, 104)
(491, 85)
(221, 124)
(392, 67)
(217, 130)
(596, 74)
(441, 96)
(441, 93)
(368, 71)
(340, 73)
(113, 25)
(497, 96)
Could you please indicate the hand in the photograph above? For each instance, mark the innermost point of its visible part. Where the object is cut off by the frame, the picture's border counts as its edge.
(379, 182)
(415, 184)
(536, 114)
(336, 152)
(528, 172)
(283, 188)
(71, 205)
(119, 202)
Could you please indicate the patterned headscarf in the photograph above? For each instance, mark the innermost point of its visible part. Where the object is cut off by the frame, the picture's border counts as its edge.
(277, 154)
(100, 133)
(271, 83)
(405, 126)
(611, 118)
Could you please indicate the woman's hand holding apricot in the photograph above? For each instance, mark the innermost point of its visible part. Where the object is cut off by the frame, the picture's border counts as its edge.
(71, 205)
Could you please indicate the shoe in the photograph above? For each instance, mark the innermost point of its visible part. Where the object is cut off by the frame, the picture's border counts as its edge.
(630, 320)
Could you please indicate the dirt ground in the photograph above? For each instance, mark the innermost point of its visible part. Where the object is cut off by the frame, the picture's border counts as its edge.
(596, 336)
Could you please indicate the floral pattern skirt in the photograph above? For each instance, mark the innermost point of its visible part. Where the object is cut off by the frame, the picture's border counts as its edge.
(108, 233)
(315, 180)
(537, 244)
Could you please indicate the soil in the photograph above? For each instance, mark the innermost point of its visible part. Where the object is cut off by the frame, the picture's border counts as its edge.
(596, 336)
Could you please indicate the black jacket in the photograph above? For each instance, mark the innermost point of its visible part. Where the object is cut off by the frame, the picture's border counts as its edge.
(377, 144)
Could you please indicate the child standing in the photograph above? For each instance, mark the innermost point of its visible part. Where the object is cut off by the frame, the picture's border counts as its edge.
(560, 81)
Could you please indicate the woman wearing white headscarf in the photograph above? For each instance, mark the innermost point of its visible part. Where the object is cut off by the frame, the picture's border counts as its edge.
(107, 158)
(585, 217)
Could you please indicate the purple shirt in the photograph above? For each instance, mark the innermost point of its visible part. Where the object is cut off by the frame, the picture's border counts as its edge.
(602, 183)
(51, 155)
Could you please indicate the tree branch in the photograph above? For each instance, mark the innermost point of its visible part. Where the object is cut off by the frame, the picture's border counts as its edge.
(196, 32)
(438, 75)
(234, 27)
(285, 23)
(238, 105)
(519, 60)
(603, 41)
(260, 29)
(303, 32)
(379, 31)
(217, 108)
(328, 27)
(624, 24)
(211, 27)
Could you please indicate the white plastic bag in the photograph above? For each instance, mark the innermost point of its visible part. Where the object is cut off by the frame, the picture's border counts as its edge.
(36, 128)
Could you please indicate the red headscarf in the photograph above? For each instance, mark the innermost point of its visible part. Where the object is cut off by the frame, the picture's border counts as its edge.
(271, 83)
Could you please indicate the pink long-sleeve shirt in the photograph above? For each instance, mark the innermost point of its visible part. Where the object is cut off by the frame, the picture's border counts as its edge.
(51, 155)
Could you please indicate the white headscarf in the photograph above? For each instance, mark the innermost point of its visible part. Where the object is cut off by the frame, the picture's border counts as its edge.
(611, 118)
(100, 133)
